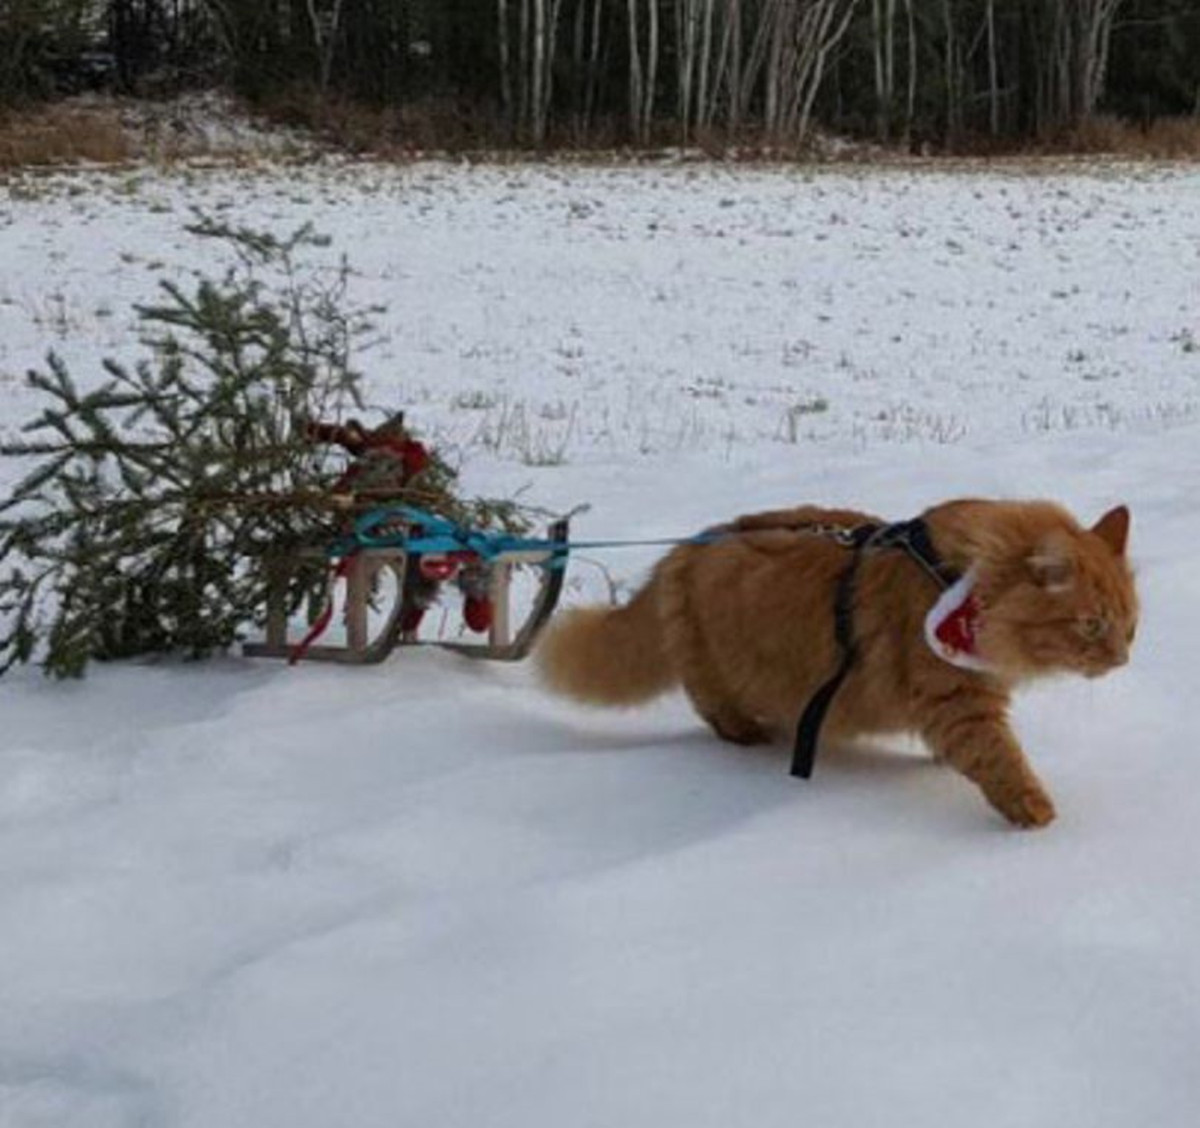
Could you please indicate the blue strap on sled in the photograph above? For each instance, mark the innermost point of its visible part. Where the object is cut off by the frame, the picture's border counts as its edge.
(437, 534)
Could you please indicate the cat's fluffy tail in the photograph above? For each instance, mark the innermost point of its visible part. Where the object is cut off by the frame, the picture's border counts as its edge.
(609, 655)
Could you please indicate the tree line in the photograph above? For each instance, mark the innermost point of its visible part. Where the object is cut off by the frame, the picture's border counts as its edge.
(580, 72)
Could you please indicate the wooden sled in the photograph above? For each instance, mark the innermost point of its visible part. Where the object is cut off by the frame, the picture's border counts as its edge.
(505, 643)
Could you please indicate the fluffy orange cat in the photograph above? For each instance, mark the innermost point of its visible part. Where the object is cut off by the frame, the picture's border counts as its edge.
(745, 623)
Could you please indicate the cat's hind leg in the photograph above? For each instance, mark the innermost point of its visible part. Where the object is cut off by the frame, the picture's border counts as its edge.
(705, 687)
(692, 656)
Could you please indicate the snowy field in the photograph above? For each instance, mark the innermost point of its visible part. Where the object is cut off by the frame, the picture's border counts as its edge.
(426, 895)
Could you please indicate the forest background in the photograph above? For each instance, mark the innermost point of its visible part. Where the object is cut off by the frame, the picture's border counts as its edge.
(958, 76)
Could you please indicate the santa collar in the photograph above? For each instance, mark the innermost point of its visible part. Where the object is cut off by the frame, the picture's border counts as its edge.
(952, 625)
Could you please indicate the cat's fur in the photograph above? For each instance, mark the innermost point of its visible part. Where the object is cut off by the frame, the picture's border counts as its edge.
(745, 624)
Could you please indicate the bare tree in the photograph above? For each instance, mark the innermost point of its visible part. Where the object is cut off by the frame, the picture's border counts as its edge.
(643, 67)
(1073, 41)
(705, 67)
(910, 103)
(537, 101)
(585, 63)
(797, 38)
(325, 21)
(636, 82)
(502, 47)
(527, 73)
(883, 28)
(1096, 19)
(953, 72)
(993, 71)
(591, 91)
(651, 72)
(687, 49)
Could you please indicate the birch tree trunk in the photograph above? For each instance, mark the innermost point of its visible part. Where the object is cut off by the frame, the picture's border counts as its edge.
(993, 71)
(726, 77)
(593, 77)
(537, 125)
(635, 71)
(883, 27)
(651, 74)
(506, 91)
(523, 92)
(706, 46)
(1071, 74)
(579, 71)
(890, 62)
(549, 53)
(736, 102)
(952, 62)
(794, 42)
(831, 28)
(686, 48)
(325, 26)
(643, 69)
(910, 105)
(1100, 16)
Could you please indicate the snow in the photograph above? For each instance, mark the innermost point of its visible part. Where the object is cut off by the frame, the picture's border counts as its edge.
(427, 894)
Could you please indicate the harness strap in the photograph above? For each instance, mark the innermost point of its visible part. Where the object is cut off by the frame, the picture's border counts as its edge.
(912, 537)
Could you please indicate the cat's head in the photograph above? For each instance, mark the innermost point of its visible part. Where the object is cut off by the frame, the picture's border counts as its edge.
(1063, 601)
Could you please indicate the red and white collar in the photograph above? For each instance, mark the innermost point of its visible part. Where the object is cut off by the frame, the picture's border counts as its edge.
(952, 625)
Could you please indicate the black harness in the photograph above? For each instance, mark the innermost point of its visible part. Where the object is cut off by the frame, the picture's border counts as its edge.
(911, 537)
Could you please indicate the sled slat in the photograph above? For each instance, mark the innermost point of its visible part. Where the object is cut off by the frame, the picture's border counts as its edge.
(358, 589)
(500, 633)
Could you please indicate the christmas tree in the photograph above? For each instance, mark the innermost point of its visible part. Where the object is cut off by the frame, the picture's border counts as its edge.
(156, 499)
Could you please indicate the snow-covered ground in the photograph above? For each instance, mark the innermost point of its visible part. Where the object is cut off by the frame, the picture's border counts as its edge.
(425, 894)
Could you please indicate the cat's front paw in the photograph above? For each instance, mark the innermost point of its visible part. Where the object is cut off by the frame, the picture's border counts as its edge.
(1028, 808)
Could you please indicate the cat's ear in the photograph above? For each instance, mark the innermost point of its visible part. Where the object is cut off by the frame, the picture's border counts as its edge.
(1113, 529)
(1052, 567)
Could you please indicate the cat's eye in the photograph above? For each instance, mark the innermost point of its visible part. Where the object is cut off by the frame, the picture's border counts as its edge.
(1093, 628)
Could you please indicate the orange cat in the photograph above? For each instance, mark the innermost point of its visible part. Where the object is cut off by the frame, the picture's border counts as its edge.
(746, 623)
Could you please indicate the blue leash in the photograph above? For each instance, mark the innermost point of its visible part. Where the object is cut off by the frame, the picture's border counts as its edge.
(440, 535)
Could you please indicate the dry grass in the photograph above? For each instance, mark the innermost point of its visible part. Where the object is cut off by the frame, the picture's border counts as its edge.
(1176, 138)
(105, 133)
(433, 124)
(62, 135)
(445, 126)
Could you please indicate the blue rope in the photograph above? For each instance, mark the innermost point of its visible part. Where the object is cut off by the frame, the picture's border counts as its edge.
(440, 535)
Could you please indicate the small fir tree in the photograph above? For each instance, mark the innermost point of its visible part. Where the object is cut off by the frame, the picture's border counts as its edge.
(156, 500)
